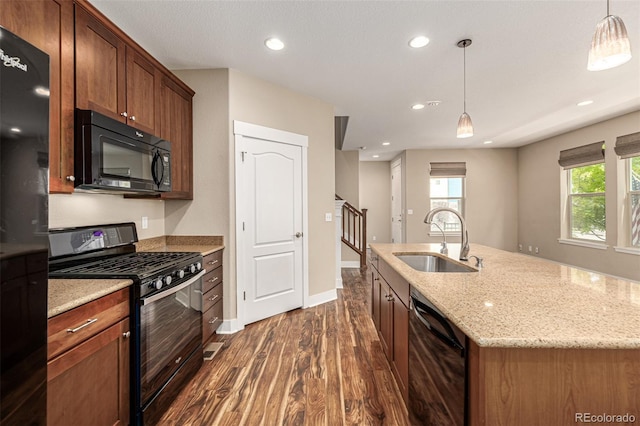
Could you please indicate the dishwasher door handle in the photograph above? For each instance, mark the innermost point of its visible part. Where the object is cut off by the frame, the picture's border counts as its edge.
(450, 338)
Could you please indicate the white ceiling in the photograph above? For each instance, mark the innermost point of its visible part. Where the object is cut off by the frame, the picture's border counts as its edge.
(526, 68)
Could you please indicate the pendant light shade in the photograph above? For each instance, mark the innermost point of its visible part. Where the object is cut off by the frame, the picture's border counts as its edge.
(610, 46)
(465, 127)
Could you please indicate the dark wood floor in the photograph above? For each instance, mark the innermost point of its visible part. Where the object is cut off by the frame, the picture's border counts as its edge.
(319, 366)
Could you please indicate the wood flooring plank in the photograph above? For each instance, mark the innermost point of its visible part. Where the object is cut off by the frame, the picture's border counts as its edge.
(318, 366)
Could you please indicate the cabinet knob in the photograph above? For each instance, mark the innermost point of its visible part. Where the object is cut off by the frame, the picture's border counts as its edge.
(126, 335)
(132, 118)
(71, 178)
(124, 114)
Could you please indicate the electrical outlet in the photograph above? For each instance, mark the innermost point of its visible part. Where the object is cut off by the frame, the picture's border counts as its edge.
(374, 238)
(530, 249)
(327, 217)
(519, 247)
(145, 222)
(537, 251)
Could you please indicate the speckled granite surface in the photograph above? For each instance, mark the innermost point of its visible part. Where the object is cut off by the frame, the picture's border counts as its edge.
(65, 295)
(68, 294)
(523, 301)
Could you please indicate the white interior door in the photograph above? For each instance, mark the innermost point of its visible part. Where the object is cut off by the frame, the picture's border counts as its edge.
(270, 240)
(396, 202)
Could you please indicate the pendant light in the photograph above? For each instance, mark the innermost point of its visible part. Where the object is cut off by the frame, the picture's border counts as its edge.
(465, 127)
(610, 45)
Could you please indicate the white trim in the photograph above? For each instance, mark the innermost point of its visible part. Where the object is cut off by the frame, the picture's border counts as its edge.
(339, 283)
(241, 129)
(230, 326)
(580, 243)
(269, 134)
(350, 264)
(627, 250)
(319, 299)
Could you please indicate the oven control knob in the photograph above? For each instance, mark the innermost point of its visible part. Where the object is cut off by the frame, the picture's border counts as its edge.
(198, 266)
(158, 284)
(167, 280)
(180, 273)
(192, 268)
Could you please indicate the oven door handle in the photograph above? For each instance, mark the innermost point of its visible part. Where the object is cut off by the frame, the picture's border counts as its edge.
(172, 290)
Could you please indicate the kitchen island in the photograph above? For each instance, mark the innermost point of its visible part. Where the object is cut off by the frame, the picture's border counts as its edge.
(548, 343)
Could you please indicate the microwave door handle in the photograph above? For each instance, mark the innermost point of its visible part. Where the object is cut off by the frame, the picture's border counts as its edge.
(450, 339)
(172, 290)
(154, 169)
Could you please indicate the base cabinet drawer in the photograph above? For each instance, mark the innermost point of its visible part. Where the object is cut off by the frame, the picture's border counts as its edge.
(211, 320)
(212, 297)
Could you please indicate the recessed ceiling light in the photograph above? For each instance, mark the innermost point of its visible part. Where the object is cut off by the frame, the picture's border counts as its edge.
(363, 148)
(386, 143)
(417, 106)
(274, 43)
(376, 156)
(418, 41)
(487, 142)
(585, 103)
(15, 130)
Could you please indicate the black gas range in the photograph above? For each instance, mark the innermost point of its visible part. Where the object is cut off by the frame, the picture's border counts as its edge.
(166, 306)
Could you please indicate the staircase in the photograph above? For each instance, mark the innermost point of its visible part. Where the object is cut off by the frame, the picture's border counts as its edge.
(354, 230)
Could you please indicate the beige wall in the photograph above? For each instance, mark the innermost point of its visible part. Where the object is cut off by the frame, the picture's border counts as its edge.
(375, 196)
(227, 95)
(491, 195)
(84, 209)
(540, 201)
(347, 172)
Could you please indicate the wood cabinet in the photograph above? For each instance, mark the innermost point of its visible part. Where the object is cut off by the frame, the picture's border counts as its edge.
(212, 292)
(48, 25)
(177, 126)
(390, 312)
(113, 78)
(88, 368)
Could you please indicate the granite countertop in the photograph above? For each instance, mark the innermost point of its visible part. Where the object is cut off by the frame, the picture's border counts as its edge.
(66, 294)
(522, 301)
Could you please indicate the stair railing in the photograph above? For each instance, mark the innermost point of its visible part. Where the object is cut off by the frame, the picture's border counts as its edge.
(354, 230)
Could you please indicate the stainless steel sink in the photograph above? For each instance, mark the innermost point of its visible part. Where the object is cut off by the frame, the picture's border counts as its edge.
(429, 263)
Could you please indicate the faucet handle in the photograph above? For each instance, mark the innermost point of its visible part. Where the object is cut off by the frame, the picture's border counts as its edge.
(479, 264)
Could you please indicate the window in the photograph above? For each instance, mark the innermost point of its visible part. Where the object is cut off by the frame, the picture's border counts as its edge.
(628, 147)
(587, 203)
(634, 200)
(586, 220)
(446, 189)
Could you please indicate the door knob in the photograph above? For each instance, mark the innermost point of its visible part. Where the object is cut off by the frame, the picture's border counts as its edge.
(298, 234)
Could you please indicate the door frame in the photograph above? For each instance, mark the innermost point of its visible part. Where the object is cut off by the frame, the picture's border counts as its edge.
(240, 130)
(397, 163)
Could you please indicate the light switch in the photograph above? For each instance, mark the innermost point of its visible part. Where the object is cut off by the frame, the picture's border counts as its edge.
(327, 217)
(410, 211)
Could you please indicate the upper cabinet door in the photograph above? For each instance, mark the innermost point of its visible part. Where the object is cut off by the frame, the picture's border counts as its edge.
(143, 81)
(100, 68)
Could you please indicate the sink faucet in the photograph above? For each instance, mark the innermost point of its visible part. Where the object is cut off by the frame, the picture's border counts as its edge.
(464, 235)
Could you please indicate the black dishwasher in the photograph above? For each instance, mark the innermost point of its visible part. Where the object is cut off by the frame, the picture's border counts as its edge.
(437, 367)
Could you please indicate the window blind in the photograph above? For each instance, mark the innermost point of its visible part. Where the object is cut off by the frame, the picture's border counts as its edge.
(582, 155)
(449, 169)
(628, 146)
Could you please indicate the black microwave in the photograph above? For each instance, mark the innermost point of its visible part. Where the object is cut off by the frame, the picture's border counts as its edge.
(111, 156)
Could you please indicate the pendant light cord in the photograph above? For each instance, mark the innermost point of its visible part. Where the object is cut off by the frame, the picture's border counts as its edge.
(464, 77)
(607, 7)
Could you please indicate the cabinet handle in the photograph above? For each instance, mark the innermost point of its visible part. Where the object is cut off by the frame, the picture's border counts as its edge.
(124, 114)
(126, 335)
(178, 360)
(211, 299)
(132, 118)
(212, 262)
(71, 178)
(213, 280)
(89, 322)
(213, 320)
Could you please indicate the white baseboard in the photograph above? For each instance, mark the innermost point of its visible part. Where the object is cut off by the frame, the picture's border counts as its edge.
(230, 326)
(350, 264)
(339, 283)
(318, 299)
